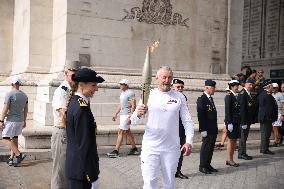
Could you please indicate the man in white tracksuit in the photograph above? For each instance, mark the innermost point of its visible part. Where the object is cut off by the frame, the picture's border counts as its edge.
(160, 144)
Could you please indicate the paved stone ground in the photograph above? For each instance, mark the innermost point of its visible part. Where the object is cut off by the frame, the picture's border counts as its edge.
(264, 171)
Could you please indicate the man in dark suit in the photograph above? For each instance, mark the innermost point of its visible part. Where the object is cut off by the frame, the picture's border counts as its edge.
(207, 117)
(247, 112)
(178, 85)
(267, 115)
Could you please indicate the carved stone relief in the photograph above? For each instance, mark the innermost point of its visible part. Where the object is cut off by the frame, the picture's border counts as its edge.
(263, 33)
(156, 12)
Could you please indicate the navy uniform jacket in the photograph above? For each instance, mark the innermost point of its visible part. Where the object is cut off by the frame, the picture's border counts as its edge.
(181, 127)
(232, 109)
(82, 161)
(267, 108)
(207, 115)
(247, 108)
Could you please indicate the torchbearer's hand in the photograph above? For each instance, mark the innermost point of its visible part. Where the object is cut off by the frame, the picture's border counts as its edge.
(142, 110)
(204, 134)
(230, 127)
(95, 184)
(244, 126)
(186, 149)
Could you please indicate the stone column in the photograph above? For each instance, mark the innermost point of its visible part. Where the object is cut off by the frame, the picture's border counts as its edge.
(6, 37)
(59, 35)
(234, 36)
(32, 36)
(45, 88)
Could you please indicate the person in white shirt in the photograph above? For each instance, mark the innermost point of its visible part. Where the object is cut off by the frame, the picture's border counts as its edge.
(161, 143)
(279, 98)
(58, 138)
(125, 109)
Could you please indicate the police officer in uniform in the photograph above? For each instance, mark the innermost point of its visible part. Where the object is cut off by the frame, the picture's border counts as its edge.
(82, 161)
(178, 85)
(248, 117)
(232, 120)
(266, 115)
(58, 138)
(207, 117)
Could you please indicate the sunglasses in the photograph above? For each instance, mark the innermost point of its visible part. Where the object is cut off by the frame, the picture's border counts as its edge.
(180, 87)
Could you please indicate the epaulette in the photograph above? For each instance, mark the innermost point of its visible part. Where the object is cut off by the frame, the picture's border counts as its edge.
(82, 102)
(64, 88)
(242, 92)
(228, 93)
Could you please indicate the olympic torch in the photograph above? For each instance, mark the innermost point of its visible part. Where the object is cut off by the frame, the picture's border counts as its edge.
(147, 73)
(146, 78)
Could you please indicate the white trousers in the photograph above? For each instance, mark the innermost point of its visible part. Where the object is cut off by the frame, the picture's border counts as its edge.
(165, 161)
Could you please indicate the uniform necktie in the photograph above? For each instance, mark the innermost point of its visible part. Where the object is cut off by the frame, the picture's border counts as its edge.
(211, 100)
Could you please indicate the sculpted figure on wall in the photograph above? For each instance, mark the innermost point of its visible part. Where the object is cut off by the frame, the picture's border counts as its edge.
(156, 12)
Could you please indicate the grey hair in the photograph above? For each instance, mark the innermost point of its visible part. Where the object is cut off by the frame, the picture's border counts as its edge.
(164, 68)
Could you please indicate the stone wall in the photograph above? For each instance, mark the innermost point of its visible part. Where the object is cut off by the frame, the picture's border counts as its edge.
(6, 36)
(97, 28)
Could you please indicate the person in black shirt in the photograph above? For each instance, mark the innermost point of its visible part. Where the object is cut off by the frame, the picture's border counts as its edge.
(207, 117)
(82, 161)
(178, 85)
(268, 113)
(232, 120)
(248, 117)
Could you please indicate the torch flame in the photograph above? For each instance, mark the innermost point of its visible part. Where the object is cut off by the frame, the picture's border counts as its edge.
(154, 46)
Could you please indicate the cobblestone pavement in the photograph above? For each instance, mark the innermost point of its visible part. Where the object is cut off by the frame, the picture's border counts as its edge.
(264, 171)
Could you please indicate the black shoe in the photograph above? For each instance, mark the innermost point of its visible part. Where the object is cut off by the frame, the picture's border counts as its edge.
(268, 152)
(113, 154)
(10, 161)
(180, 175)
(219, 146)
(275, 145)
(281, 140)
(245, 157)
(212, 169)
(133, 151)
(232, 164)
(204, 170)
(19, 159)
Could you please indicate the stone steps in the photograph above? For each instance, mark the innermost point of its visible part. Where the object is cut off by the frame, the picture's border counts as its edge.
(107, 134)
(37, 136)
(41, 154)
(35, 140)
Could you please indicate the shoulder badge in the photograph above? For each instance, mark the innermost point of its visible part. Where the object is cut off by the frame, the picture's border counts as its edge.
(229, 93)
(64, 88)
(242, 92)
(82, 102)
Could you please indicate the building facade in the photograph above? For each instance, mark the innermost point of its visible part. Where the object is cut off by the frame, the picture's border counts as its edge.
(199, 39)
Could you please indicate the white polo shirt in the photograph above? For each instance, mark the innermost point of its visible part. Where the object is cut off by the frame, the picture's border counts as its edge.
(59, 100)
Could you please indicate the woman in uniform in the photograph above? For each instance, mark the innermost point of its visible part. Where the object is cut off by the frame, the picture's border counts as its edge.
(82, 161)
(232, 120)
